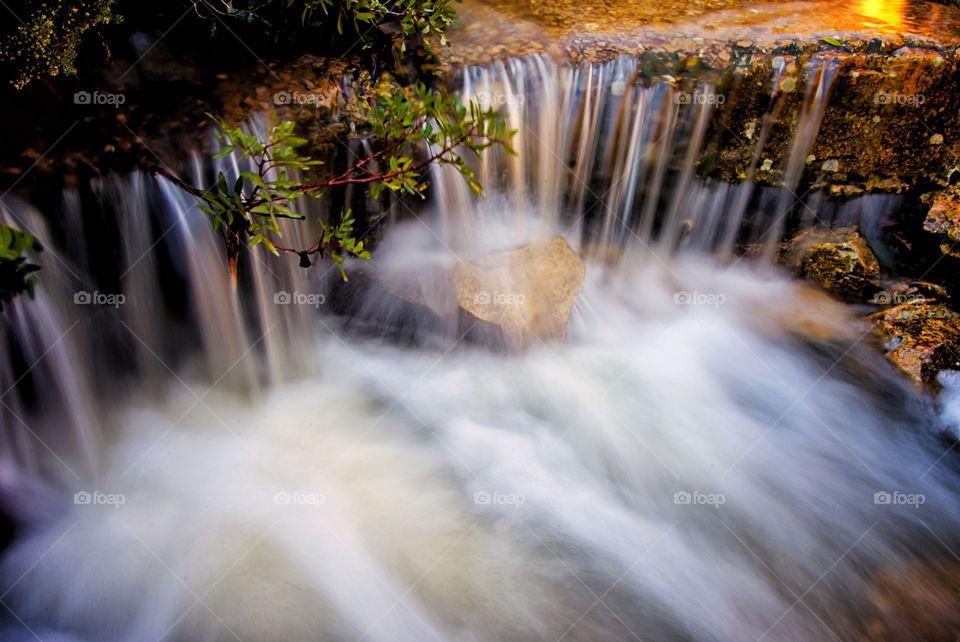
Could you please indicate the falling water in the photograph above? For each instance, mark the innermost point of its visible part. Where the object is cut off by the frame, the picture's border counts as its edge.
(714, 453)
(595, 142)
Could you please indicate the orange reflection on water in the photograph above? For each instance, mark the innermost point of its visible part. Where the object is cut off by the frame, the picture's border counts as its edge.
(888, 16)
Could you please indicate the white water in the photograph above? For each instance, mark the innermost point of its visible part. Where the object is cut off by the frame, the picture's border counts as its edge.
(288, 479)
(587, 443)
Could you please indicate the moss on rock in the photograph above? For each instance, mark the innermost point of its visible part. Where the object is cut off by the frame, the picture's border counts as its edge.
(838, 260)
(943, 219)
(922, 339)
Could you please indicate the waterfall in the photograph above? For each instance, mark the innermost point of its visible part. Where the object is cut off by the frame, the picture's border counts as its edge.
(167, 303)
(39, 336)
(714, 453)
(608, 159)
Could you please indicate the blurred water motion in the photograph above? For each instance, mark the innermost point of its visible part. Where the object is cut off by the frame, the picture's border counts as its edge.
(714, 453)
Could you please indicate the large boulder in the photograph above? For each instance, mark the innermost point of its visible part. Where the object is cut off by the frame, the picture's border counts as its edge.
(528, 292)
(922, 339)
(519, 296)
(838, 260)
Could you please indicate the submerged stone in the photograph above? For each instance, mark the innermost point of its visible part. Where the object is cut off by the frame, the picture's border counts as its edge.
(518, 296)
(429, 288)
(915, 601)
(528, 293)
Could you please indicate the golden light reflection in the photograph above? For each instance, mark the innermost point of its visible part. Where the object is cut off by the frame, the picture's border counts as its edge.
(888, 16)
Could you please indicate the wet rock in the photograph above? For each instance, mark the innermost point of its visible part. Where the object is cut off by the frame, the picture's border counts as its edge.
(838, 260)
(529, 292)
(813, 316)
(944, 219)
(306, 90)
(921, 338)
(900, 292)
(846, 191)
(881, 184)
(513, 297)
(916, 602)
(430, 288)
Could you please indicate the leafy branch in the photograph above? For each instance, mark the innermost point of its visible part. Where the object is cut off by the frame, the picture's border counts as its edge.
(46, 43)
(408, 19)
(16, 274)
(414, 127)
(402, 20)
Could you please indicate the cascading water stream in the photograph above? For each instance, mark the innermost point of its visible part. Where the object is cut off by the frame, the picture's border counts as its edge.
(593, 143)
(701, 459)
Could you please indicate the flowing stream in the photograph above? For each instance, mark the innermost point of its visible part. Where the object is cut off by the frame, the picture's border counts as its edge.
(714, 453)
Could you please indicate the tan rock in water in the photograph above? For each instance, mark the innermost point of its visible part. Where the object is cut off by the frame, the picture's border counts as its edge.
(917, 601)
(528, 292)
(923, 339)
(813, 315)
(839, 260)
